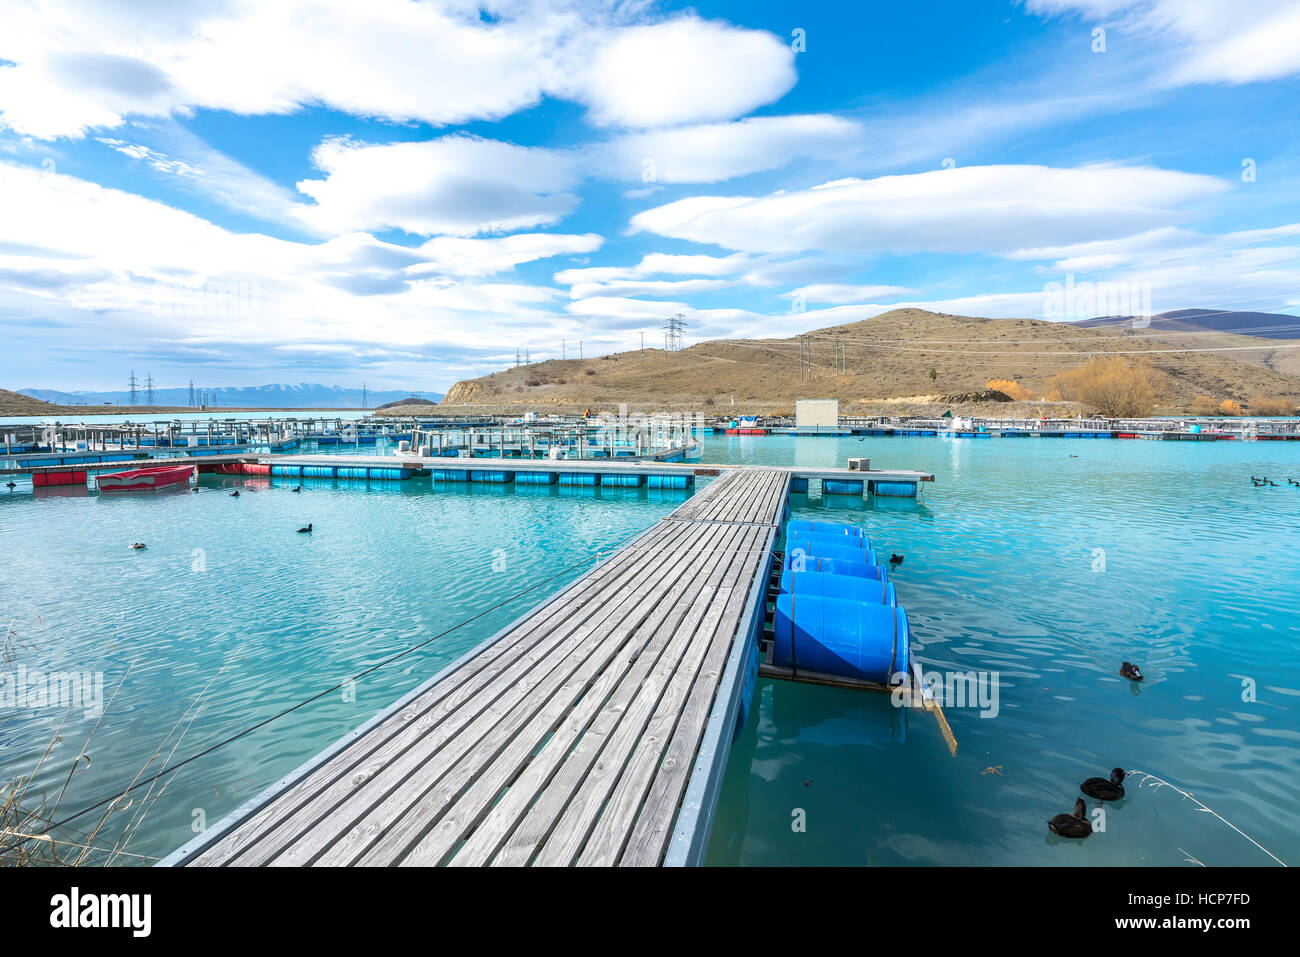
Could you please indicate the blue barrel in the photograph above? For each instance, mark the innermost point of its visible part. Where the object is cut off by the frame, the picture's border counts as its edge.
(875, 591)
(837, 636)
(821, 548)
(854, 566)
(798, 536)
(578, 478)
(836, 528)
(535, 478)
(669, 481)
(391, 474)
(294, 470)
(622, 481)
(491, 476)
(842, 487)
(450, 475)
(895, 489)
(798, 484)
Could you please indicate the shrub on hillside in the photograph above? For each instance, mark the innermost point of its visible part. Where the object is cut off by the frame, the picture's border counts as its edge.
(1262, 405)
(1231, 407)
(1011, 388)
(1109, 386)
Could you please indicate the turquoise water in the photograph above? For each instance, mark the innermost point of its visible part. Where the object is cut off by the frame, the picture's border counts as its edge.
(1199, 587)
(231, 608)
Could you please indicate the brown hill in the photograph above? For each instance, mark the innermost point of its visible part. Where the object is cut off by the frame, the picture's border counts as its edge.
(15, 403)
(881, 363)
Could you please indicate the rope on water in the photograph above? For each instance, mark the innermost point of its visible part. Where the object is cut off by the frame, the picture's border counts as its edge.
(1161, 782)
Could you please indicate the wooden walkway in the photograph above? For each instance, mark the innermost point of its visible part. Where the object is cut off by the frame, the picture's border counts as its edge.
(593, 731)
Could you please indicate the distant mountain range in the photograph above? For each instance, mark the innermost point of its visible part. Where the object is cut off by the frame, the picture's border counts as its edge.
(1264, 325)
(305, 395)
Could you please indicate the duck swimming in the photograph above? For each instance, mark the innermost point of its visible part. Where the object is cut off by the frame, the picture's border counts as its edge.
(895, 559)
(1104, 790)
(298, 489)
(10, 485)
(307, 529)
(138, 545)
(1130, 671)
(235, 494)
(1071, 825)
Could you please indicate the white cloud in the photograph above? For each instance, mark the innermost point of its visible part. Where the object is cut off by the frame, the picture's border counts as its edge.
(686, 70)
(658, 264)
(967, 209)
(840, 293)
(66, 257)
(1213, 40)
(486, 257)
(644, 287)
(714, 152)
(456, 185)
(83, 65)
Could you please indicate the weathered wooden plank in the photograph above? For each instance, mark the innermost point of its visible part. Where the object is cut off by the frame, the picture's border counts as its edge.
(633, 751)
(609, 694)
(379, 831)
(537, 825)
(659, 810)
(507, 746)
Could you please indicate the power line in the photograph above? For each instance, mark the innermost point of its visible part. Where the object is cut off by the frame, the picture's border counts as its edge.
(674, 332)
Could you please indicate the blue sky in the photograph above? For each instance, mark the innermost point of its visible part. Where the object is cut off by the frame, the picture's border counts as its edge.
(407, 193)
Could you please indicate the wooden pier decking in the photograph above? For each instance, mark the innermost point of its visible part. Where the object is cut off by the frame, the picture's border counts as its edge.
(594, 730)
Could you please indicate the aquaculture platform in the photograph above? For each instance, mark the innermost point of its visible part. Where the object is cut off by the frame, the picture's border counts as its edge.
(594, 730)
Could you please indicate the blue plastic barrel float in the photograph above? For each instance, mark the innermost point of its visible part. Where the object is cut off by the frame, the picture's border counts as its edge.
(669, 481)
(894, 489)
(491, 476)
(828, 538)
(858, 551)
(622, 481)
(798, 484)
(843, 565)
(536, 478)
(578, 478)
(318, 471)
(390, 474)
(294, 470)
(841, 637)
(449, 475)
(842, 487)
(874, 591)
(835, 528)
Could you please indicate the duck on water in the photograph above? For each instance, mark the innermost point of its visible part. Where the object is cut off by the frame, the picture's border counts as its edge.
(1071, 825)
(1104, 790)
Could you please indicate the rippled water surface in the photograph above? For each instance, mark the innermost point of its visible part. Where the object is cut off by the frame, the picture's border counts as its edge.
(1050, 570)
(1020, 560)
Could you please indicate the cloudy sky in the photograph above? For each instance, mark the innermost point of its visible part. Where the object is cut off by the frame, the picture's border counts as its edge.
(406, 193)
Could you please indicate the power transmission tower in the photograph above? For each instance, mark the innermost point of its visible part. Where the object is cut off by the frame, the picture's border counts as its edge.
(148, 390)
(674, 332)
(528, 357)
(518, 357)
(131, 386)
(191, 397)
(643, 346)
(365, 397)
